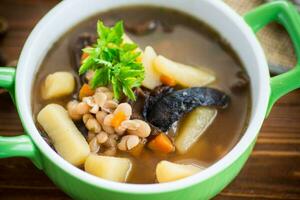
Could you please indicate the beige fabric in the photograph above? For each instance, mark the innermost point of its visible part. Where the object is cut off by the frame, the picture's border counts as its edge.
(274, 38)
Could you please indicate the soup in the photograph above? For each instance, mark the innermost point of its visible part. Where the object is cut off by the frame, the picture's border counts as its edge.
(158, 134)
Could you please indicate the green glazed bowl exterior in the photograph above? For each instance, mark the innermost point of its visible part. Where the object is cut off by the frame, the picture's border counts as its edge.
(204, 185)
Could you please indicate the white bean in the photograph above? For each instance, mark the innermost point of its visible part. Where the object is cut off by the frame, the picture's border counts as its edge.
(110, 106)
(120, 130)
(132, 141)
(108, 119)
(94, 109)
(108, 129)
(93, 125)
(89, 101)
(131, 124)
(94, 146)
(82, 108)
(128, 142)
(102, 137)
(72, 111)
(100, 116)
(143, 130)
(122, 144)
(86, 117)
(125, 108)
(100, 98)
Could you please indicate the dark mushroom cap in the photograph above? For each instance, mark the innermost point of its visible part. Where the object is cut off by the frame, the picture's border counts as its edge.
(163, 111)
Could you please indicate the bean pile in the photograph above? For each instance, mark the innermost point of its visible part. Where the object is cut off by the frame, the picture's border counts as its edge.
(109, 124)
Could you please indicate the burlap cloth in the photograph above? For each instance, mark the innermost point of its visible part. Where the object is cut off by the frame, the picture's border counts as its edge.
(274, 38)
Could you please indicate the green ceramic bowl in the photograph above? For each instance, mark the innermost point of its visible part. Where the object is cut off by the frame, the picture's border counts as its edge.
(238, 31)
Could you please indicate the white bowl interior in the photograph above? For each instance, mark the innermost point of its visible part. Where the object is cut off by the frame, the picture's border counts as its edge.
(215, 13)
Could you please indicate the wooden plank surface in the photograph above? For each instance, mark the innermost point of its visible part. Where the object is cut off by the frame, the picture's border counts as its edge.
(272, 172)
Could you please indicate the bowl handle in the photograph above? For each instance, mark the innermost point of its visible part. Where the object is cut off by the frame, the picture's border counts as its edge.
(286, 14)
(16, 146)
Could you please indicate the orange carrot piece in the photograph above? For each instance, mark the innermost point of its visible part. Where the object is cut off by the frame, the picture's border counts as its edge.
(162, 144)
(117, 119)
(86, 91)
(167, 80)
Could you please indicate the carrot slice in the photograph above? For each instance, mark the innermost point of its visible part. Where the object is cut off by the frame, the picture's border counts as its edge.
(86, 91)
(117, 119)
(167, 80)
(162, 144)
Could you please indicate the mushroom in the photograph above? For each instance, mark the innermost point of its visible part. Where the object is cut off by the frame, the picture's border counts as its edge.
(169, 107)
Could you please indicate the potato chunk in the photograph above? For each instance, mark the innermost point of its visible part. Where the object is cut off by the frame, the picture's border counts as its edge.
(184, 75)
(193, 126)
(168, 171)
(107, 167)
(66, 138)
(152, 78)
(57, 85)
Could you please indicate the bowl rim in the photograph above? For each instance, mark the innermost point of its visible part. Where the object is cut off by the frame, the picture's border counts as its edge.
(244, 143)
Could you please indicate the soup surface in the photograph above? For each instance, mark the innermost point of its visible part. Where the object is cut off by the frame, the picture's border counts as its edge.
(183, 39)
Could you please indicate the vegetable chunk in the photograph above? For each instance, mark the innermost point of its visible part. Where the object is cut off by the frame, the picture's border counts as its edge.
(184, 75)
(193, 126)
(66, 138)
(86, 91)
(152, 78)
(168, 171)
(107, 167)
(161, 143)
(57, 85)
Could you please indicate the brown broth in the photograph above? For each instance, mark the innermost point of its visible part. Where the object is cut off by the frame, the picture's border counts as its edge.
(191, 42)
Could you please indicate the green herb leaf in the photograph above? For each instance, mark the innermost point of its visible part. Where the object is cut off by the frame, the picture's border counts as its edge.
(87, 64)
(100, 77)
(117, 87)
(102, 30)
(128, 92)
(113, 61)
(129, 47)
(119, 30)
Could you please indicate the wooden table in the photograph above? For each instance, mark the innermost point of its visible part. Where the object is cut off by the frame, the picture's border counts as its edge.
(272, 172)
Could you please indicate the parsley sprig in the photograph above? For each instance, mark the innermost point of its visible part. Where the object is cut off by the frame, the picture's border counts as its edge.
(113, 61)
